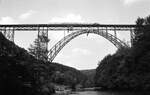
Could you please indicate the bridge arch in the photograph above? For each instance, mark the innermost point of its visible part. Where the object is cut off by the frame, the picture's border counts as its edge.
(60, 44)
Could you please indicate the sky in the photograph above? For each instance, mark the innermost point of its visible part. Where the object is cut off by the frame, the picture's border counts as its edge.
(83, 52)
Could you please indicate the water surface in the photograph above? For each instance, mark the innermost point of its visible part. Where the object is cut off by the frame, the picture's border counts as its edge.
(109, 93)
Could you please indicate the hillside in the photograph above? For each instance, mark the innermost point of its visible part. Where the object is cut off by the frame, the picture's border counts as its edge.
(128, 68)
(22, 74)
(90, 74)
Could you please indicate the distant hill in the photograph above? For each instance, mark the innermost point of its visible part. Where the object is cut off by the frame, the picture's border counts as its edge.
(90, 74)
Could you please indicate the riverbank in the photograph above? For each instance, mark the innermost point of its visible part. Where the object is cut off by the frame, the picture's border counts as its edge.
(107, 93)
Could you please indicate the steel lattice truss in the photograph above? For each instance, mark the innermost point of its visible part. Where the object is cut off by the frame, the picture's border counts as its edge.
(42, 29)
(58, 46)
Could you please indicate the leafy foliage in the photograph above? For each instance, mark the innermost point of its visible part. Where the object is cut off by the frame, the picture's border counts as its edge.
(16, 77)
(22, 74)
(39, 48)
(128, 68)
(89, 81)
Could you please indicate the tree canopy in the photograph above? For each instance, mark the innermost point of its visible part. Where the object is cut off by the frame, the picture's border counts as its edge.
(39, 48)
(128, 68)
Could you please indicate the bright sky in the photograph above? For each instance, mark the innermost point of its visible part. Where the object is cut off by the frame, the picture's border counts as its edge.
(82, 52)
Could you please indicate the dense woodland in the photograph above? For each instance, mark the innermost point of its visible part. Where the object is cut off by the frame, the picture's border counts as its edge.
(90, 75)
(128, 68)
(22, 74)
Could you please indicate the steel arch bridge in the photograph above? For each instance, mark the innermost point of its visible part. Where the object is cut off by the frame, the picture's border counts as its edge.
(60, 44)
(95, 28)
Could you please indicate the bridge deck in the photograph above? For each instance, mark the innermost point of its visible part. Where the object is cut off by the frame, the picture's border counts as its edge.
(67, 26)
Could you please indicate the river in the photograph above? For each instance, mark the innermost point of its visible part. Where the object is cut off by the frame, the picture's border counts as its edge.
(109, 93)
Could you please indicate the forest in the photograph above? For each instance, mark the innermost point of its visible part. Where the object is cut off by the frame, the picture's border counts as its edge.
(129, 67)
(22, 74)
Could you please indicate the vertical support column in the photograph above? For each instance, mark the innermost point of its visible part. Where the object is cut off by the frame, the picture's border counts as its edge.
(102, 30)
(38, 44)
(115, 34)
(46, 39)
(68, 29)
(13, 30)
(3, 30)
(98, 30)
(131, 36)
(43, 43)
(64, 35)
(8, 32)
(106, 32)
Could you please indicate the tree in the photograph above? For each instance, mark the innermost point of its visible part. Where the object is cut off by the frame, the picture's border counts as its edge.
(139, 30)
(142, 37)
(39, 48)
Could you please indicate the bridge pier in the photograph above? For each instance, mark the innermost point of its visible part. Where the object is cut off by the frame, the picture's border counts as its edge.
(43, 42)
(131, 36)
(9, 33)
(106, 32)
(115, 34)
